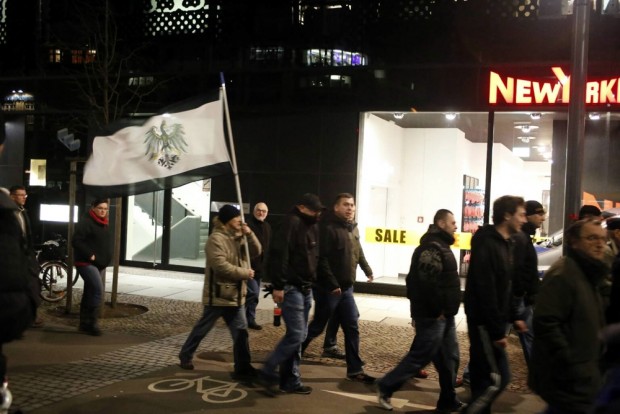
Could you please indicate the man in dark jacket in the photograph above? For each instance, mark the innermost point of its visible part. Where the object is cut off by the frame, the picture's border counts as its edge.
(488, 302)
(568, 319)
(292, 268)
(19, 195)
(340, 254)
(434, 289)
(525, 279)
(16, 302)
(262, 230)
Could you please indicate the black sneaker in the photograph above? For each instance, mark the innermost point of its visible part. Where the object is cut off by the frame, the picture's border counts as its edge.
(302, 389)
(247, 375)
(333, 353)
(362, 377)
(458, 406)
(255, 326)
(188, 365)
(270, 388)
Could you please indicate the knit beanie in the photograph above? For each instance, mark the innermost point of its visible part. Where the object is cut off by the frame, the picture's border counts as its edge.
(227, 213)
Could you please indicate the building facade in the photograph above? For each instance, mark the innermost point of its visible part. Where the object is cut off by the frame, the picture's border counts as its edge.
(325, 97)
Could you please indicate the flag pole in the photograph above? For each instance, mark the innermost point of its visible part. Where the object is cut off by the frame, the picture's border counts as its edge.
(234, 161)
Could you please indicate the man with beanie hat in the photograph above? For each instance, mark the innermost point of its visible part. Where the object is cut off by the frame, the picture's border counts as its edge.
(525, 277)
(293, 264)
(226, 273)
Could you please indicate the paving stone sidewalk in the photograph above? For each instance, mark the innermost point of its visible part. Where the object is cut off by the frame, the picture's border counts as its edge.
(165, 326)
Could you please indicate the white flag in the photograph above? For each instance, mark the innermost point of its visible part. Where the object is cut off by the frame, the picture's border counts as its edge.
(167, 151)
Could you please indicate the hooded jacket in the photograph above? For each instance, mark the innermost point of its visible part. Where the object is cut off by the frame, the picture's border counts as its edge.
(488, 291)
(227, 266)
(565, 369)
(433, 282)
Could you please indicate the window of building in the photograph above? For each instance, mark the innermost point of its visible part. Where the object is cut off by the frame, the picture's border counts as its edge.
(267, 54)
(55, 56)
(141, 81)
(334, 57)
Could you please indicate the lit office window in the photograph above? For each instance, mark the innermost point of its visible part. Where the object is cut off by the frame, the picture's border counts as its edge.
(55, 56)
(334, 57)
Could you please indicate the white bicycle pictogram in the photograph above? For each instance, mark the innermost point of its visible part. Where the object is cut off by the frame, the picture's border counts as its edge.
(227, 392)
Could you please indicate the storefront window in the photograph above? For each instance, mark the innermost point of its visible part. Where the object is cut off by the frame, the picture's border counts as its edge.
(413, 164)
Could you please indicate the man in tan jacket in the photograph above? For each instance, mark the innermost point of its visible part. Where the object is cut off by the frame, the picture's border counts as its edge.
(225, 289)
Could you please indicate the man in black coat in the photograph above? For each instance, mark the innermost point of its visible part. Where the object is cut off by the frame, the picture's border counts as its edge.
(16, 301)
(488, 302)
(434, 289)
(262, 230)
(19, 195)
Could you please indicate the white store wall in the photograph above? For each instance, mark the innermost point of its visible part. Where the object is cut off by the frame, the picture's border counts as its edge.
(404, 174)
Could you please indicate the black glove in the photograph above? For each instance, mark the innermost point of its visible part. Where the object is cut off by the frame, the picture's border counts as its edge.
(268, 289)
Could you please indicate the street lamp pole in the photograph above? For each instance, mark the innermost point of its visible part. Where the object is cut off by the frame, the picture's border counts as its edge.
(576, 110)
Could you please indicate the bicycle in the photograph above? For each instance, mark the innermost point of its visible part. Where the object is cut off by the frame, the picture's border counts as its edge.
(221, 394)
(54, 271)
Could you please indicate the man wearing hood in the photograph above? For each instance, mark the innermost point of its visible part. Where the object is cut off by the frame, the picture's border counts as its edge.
(568, 319)
(227, 271)
(434, 289)
(340, 253)
(525, 279)
(488, 302)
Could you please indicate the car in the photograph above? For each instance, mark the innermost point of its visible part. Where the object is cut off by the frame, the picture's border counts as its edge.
(550, 249)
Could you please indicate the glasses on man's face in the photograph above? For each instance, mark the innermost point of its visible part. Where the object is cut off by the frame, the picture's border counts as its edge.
(20, 195)
(593, 238)
(101, 208)
(258, 210)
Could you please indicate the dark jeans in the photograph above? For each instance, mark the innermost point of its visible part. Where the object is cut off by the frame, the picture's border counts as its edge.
(345, 309)
(234, 316)
(525, 313)
(331, 332)
(93, 285)
(488, 370)
(435, 341)
(287, 354)
(251, 300)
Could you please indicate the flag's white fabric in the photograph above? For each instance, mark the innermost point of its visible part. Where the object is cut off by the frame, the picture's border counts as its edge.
(164, 146)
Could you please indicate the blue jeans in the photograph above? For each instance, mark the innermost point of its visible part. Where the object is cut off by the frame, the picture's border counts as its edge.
(343, 306)
(525, 313)
(287, 354)
(251, 300)
(234, 316)
(488, 370)
(435, 341)
(93, 285)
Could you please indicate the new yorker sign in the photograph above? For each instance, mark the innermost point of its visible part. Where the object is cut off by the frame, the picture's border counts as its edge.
(517, 91)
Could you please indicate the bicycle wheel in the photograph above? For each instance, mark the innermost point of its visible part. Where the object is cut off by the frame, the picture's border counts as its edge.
(53, 276)
(172, 385)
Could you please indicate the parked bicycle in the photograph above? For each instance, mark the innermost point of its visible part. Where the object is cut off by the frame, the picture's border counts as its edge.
(54, 272)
